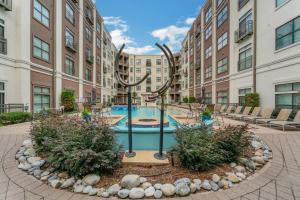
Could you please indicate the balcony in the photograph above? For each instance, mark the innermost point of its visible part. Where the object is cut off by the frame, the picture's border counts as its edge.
(89, 58)
(244, 31)
(3, 46)
(71, 46)
(89, 17)
(6, 4)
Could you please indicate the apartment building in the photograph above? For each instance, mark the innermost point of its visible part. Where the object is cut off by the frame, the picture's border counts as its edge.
(242, 46)
(48, 46)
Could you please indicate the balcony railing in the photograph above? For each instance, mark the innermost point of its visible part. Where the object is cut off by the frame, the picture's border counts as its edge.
(71, 45)
(245, 63)
(3, 46)
(244, 31)
(6, 108)
(6, 4)
(89, 58)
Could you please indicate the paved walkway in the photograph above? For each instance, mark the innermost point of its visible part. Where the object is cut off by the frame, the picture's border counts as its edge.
(278, 180)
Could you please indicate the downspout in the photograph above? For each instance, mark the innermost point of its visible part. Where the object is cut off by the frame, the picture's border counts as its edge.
(54, 56)
(254, 45)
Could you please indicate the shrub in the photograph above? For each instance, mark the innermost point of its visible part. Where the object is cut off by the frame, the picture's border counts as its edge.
(78, 148)
(185, 100)
(201, 149)
(67, 99)
(14, 117)
(192, 100)
(206, 112)
(252, 100)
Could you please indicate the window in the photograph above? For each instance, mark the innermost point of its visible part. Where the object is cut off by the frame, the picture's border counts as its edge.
(70, 13)
(242, 3)
(198, 45)
(138, 70)
(41, 98)
(41, 13)
(3, 41)
(158, 79)
(69, 66)
(148, 62)
(88, 34)
(138, 88)
(88, 74)
(222, 97)
(41, 49)
(165, 70)
(286, 95)
(158, 61)
(222, 16)
(245, 58)
(208, 72)
(88, 97)
(288, 33)
(2, 96)
(222, 41)
(242, 94)
(208, 15)
(219, 2)
(98, 60)
(148, 89)
(69, 39)
(222, 65)
(245, 25)
(208, 98)
(279, 2)
(158, 70)
(148, 70)
(138, 79)
(208, 52)
(208, 32)
(148, 80)
(98, 27)
(138, 62)
(98, 42)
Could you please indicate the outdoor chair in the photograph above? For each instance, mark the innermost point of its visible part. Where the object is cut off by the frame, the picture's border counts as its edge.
(245, 113)
(237, 111)
(265, 114)
(282, 116)
(229, 110)
(254, 113)
(295, 122)
(223, 109)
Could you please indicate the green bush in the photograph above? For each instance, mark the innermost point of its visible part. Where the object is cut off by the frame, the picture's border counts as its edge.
(78, 148)
(192, 100)
(67, 99)
(201, 149)
(252, 100)
(14, 117)
(185, 100)
(206, 112)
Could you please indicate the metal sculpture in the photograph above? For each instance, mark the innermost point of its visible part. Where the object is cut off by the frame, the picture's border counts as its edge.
(130, 152)
(161, 93)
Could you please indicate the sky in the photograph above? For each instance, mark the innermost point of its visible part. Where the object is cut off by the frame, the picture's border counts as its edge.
(141, 23)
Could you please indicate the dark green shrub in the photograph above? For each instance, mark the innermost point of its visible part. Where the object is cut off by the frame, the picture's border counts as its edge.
(14, 117)
(78, 148)
(67, 99)
(252, 100)
(185, 100)
(192, 100)
(232, 141)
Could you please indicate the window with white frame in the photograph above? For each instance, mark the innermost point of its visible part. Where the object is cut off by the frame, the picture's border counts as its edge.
(208, 32)
(69, 38)
(158, 70)
(158, 79)
(98, 42)
(158, 61)
(41, 49)
(242, 94)
(138, 70)
(41, 13)
(41, 98)
(222, 41)
(88, 34)
(2, 96)
(208, 98)
(279, 2)
(208, 15)
(222, 97)
(70, 13)
(245, 58)
(69, 66)
(222, 16)
(222, 65)
(208, 52)
(208, 72)
(98, 27)
(138, 62)
(287, 95)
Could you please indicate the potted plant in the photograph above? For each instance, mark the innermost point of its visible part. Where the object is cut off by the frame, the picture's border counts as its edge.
(206, 114)
(86, 115)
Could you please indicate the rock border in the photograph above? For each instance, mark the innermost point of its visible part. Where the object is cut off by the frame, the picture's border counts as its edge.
(136, 187)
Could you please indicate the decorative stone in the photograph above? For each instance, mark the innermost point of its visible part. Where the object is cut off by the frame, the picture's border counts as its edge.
(223, 184)
(149, 192)
(87, 189)
(205, 185)
(130, 181)
(91, 179)
(193, 188)
(114, 189)
(240, 169)
(38, 163)
(197, 183)
(100, 191)
(124, 193)
(258, 160)
(51, 178)
(27, 143)
(55, 183)
(157, 186)
(250, 165)
(256, 145)
(68, 183)
(183, 180)
(78, 188)
(105, 194)
(45, 178)
(32, 160)
(30, 152)
(241, 175)
(214, 186)
(216, 178)
(136, 193)
(143, 179)
(146, 185)
(24, 166)
(158, 194)
(182, 189)
(22, 159)
(37, 173)
(63, 175)
(168, 189)
(93, 191)
(232, 178)
(259, 152)
(45, 173)
(232, 165)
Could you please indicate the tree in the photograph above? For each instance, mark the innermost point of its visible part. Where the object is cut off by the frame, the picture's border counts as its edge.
(252, 100)
(67, 99)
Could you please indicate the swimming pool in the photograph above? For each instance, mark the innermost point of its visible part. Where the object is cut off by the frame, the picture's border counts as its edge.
(144, 138)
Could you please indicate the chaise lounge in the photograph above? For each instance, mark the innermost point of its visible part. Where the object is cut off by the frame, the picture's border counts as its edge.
(296, 122)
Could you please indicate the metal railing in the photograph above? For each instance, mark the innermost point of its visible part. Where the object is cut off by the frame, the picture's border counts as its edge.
(244, 31)
(6, 108)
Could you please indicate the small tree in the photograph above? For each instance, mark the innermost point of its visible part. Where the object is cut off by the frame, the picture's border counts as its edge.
(67, 99)
(134, 96)
(252, 100)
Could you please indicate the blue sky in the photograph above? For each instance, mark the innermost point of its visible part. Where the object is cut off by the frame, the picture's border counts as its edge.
(141, 23)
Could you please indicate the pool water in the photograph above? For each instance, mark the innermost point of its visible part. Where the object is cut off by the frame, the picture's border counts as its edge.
(144, 138)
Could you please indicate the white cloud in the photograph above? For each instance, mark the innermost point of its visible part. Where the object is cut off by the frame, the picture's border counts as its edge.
(172, 35)
(190, 20)
(139, 50)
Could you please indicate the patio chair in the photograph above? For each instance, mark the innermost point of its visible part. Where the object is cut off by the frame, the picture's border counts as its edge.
(265, 114)
(296, 122)
(228, 111)
(245, 113)
(223, 109)
(237, 111)
(282, 116)
(254, 113)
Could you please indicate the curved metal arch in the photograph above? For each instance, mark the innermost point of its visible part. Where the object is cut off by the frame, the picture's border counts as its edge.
(121, 81)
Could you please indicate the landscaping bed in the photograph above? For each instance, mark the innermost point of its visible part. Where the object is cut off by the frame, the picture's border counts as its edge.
(85, 158)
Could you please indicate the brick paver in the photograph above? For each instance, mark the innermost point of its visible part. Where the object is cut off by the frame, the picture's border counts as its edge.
(278, 180)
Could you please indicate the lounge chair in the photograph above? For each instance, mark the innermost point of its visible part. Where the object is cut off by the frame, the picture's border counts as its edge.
(228, 111)
(223, 109)
(217, 109)
(245, 113)
(254, 114)
(282, 116)
(265, 114)
(296, 122)
(237, 111)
